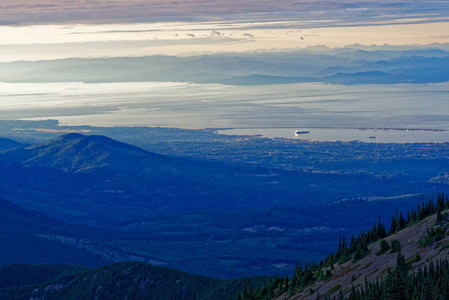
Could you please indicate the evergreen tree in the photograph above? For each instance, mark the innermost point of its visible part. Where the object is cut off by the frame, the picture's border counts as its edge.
(439, 215)
(395, 246)
(393, 225)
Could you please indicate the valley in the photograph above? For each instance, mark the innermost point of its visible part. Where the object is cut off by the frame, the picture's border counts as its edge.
(221, 206)
(409, 260)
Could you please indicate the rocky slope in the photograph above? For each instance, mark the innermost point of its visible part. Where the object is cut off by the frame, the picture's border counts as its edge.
(373, 267)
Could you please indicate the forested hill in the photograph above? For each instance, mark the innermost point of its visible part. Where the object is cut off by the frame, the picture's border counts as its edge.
(128, 280)
(7, 144)
(24, 236)
(410, 260)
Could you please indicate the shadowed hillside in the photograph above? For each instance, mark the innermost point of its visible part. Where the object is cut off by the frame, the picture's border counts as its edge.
(130, 280)
(22, 231)
(7, 144)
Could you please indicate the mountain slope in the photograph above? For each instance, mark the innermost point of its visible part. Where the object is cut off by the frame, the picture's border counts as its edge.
(76, 153)
(7, 144)
(416, 245)
(22, 231)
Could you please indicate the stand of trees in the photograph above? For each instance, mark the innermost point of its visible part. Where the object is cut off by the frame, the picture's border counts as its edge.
(430, 282)
(356, 249)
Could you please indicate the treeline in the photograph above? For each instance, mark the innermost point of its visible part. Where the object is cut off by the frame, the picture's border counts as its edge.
(430, 282)
(354, 250)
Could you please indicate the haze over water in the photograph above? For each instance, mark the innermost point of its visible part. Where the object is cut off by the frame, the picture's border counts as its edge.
(184, 105)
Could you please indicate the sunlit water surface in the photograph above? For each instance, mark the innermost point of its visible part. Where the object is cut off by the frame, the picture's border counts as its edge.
(292, 107)
(367, 135)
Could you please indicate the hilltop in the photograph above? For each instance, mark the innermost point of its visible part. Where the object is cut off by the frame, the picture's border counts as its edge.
(77, 153)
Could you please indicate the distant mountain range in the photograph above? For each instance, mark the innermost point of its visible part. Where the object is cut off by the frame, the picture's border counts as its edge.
(347, 65)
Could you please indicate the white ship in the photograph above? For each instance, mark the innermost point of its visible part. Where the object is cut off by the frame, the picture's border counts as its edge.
(298, 132)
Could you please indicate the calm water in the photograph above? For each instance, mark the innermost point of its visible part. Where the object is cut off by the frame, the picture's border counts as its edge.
(293, 106)
(348, 134)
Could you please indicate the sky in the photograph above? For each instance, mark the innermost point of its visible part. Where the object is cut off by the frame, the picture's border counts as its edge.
(50, 29)
(45, 42)
(19, 12)
(29, 12)
(56, 29)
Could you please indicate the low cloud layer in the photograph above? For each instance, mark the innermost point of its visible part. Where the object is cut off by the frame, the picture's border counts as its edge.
(47, 42)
